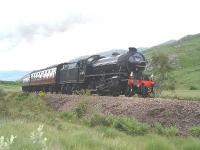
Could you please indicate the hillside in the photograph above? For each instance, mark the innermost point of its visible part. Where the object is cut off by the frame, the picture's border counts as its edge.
(187, 52)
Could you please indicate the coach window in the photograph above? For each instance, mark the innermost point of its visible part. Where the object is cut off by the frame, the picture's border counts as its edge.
(44, 74)
(48, 73)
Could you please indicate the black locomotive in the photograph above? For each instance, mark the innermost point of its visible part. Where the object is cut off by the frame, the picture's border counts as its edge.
(98, 74)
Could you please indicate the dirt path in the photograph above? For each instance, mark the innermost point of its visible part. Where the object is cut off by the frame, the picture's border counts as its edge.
(182, 113)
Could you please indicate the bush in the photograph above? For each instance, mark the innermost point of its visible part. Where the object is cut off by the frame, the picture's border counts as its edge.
(131, 126)
(99, 119)
(109, 132)
(195, 131)
(66, 115)
(159, 129)
(171, 131)
(81, 110)
(127, 125)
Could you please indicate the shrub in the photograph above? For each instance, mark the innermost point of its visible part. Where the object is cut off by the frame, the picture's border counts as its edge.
(159, 129)
(66, 115)
(99, 119)
(131, 126)
(127, 125)
(171, 131)
(109, 132)
(195, 131)
(81, 110)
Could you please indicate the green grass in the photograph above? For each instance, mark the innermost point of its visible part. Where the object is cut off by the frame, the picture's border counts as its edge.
(10, 86)
(195, 131)
(182, 94)
(78, 137)
(22, 113)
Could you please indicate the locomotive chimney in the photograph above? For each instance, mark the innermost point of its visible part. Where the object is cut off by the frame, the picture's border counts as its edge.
(132, 50)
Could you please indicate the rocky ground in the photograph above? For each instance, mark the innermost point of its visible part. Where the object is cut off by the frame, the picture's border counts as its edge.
(182, 113)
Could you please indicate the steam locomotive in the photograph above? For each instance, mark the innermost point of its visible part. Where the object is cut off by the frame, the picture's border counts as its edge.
(115, 75)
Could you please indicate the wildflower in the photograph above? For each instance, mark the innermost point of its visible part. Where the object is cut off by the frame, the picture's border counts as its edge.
(5, 143)
(38, 137)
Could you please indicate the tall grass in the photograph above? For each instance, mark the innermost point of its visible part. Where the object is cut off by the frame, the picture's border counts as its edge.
(15, 105)
(65, 130)
(80, 137)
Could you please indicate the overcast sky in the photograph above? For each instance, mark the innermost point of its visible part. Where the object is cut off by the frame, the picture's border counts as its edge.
(38, 33)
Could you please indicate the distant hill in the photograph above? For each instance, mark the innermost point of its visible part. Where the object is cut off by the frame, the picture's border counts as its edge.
(187, 52)
(105, 53)
(12, 75)
(109, 53)
(167, 43)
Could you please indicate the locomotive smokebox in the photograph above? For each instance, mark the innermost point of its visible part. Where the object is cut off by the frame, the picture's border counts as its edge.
(132, 50)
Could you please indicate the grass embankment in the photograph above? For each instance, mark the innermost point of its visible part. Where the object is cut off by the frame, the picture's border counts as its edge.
(22, 113)
(182, 94)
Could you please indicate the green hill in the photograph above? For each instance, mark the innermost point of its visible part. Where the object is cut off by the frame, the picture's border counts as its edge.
(187, 52)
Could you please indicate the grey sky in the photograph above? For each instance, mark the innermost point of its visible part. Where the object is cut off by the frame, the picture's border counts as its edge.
(38, 33)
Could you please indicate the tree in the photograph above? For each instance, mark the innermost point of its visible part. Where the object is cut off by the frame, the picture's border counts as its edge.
(162, 66)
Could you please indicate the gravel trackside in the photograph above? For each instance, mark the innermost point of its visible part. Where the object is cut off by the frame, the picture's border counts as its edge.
(182, 113)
